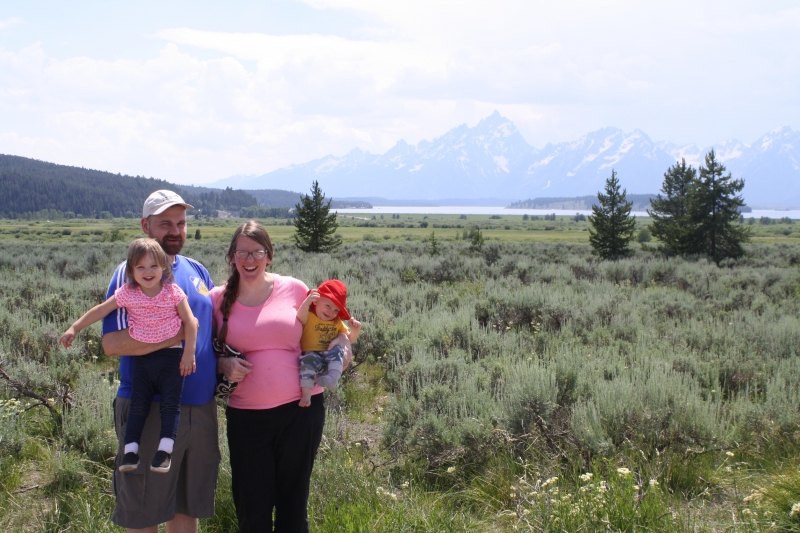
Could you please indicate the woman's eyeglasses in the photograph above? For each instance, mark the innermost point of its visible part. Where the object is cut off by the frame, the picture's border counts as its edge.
(257, 255)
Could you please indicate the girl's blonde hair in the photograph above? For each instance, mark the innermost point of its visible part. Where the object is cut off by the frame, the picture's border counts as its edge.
(141, 248)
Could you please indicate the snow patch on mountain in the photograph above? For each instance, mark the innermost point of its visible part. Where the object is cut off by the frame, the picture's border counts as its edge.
(493, 159)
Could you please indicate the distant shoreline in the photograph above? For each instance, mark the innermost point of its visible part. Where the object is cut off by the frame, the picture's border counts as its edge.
(502, 210)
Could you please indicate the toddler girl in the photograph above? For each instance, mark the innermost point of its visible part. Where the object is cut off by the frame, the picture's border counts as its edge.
(320, 327)
(156, 307)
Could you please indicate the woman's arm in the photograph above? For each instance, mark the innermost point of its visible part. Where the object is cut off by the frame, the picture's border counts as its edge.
(344, 342)
(235, 369)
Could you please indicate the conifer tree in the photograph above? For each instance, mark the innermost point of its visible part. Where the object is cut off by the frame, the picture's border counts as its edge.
(671, 213)
(434, 249)
(476, 242)
(611, 225)
(315, 226)
(715, 207)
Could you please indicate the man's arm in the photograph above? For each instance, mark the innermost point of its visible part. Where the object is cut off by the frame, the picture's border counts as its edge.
(118, 343)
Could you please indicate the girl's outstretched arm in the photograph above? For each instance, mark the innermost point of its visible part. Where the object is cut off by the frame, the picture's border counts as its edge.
(188, 364)
(95, 314)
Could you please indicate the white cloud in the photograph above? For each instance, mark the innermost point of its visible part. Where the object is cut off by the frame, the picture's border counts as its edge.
(10, 22)
(211, 103)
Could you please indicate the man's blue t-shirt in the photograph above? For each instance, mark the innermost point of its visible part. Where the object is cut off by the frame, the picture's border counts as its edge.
(194, 280)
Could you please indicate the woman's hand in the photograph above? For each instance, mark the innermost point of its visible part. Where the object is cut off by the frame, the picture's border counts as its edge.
(233, 368)
(344, 342)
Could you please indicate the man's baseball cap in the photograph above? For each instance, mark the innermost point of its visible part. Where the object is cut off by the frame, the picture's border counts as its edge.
(160, 201)
(336, 291)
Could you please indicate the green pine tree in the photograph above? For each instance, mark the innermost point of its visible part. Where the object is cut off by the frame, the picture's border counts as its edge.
(714, 208)
(434, 249)
(476, 242)
(315, 226)
(671, 213)
(611, 225)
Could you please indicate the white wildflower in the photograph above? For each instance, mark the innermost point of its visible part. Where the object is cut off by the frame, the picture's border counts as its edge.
(754, 497)
(623, 471)
(549, 482)
(795, 510)
(587, 476)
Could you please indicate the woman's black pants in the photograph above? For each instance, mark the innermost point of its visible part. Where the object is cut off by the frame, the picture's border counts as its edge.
(272, 453)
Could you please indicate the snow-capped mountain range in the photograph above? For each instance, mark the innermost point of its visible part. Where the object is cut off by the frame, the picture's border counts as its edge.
(494, 160)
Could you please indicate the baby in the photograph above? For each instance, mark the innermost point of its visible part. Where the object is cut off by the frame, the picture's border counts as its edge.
(321, 314)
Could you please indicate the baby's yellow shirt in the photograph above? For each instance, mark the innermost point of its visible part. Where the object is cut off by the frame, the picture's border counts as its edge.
(318, 333)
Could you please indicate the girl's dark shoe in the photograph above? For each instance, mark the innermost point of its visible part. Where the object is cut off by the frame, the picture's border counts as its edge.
(130, 461)
(161, 462)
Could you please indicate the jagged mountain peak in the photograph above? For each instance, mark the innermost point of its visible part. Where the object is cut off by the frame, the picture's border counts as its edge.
(492, 159)
(781, 139)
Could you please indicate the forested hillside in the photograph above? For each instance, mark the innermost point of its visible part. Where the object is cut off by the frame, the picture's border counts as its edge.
(280, 198)
(30, 187)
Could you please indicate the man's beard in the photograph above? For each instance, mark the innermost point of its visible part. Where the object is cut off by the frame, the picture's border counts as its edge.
(171, 245)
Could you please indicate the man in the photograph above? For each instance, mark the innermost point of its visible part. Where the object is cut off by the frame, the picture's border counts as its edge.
(186, 493)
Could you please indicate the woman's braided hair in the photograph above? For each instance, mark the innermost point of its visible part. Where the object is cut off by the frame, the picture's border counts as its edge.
(251, 230)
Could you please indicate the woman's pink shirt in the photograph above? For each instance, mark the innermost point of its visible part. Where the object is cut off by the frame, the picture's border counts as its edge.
(269, 337)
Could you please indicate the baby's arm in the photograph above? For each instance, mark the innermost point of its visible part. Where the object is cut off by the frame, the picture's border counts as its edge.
(302, 311)
(95, 314)
(355, 330)
(188, 365)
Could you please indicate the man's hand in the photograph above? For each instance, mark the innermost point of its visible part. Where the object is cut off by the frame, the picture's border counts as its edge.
(233, 368)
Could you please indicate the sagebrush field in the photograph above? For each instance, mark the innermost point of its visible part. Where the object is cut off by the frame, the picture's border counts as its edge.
(522, 386)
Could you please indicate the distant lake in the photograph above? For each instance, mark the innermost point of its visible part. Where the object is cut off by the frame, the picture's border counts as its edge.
(470, 210)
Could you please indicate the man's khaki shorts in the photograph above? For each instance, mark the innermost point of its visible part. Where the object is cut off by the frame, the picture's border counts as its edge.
(146, 498)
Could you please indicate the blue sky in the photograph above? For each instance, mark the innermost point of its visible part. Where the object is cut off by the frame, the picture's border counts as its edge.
(196, 91)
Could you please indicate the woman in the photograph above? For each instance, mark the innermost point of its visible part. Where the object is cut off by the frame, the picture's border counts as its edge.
(272, 440)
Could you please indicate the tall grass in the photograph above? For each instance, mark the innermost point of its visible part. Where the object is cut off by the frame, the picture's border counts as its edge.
(481, 377)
